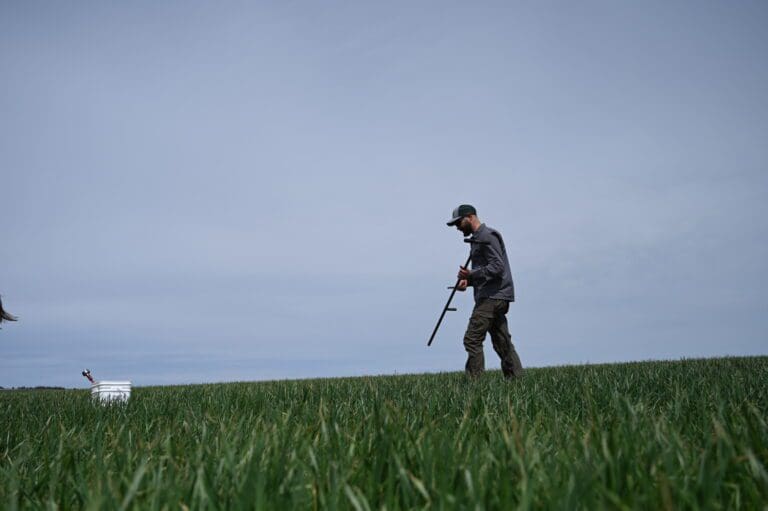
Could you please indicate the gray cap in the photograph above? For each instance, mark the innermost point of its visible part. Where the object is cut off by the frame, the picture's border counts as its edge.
(460, 212)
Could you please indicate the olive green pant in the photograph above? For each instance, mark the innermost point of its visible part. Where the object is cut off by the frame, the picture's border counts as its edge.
(489, 316)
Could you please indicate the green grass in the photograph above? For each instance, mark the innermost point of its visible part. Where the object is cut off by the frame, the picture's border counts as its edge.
(652, 435)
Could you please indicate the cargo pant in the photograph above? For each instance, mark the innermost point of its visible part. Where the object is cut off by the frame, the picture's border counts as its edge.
(489, 316)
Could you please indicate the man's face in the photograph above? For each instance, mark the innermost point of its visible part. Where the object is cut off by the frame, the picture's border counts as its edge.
(465, 226)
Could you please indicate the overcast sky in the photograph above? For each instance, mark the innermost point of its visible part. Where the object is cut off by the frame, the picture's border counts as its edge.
(218, 191)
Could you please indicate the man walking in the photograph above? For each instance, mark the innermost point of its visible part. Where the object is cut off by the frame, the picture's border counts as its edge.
(491, 279)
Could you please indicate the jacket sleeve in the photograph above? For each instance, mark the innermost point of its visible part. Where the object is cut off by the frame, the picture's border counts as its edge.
(494, 269)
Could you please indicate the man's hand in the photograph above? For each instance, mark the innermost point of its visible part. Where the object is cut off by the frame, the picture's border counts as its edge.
(463, 273)
(462, 285)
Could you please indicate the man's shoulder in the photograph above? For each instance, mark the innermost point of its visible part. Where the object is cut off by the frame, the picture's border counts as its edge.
(488, 232)
(493, 237)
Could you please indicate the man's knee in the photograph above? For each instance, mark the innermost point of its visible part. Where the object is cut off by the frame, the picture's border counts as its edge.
(475, 335)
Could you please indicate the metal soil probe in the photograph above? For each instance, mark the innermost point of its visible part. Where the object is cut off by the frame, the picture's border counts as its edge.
(448, 303)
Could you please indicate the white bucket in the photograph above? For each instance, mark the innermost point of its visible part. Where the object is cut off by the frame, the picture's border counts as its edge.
(111, 391)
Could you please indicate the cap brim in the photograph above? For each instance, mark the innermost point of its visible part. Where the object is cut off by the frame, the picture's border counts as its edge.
(454, 221)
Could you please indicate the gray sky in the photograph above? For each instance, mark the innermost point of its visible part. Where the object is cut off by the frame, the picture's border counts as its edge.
(197, 192)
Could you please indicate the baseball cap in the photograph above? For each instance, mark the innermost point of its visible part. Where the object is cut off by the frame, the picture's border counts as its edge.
(460, 212)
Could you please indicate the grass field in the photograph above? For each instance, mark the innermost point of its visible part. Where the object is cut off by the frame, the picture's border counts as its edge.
(652, 435)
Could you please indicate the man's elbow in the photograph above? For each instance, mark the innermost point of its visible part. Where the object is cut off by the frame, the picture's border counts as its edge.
(495, 271)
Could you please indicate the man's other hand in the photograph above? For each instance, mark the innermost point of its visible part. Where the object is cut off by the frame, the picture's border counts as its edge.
(462, 285)
(463, 273)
